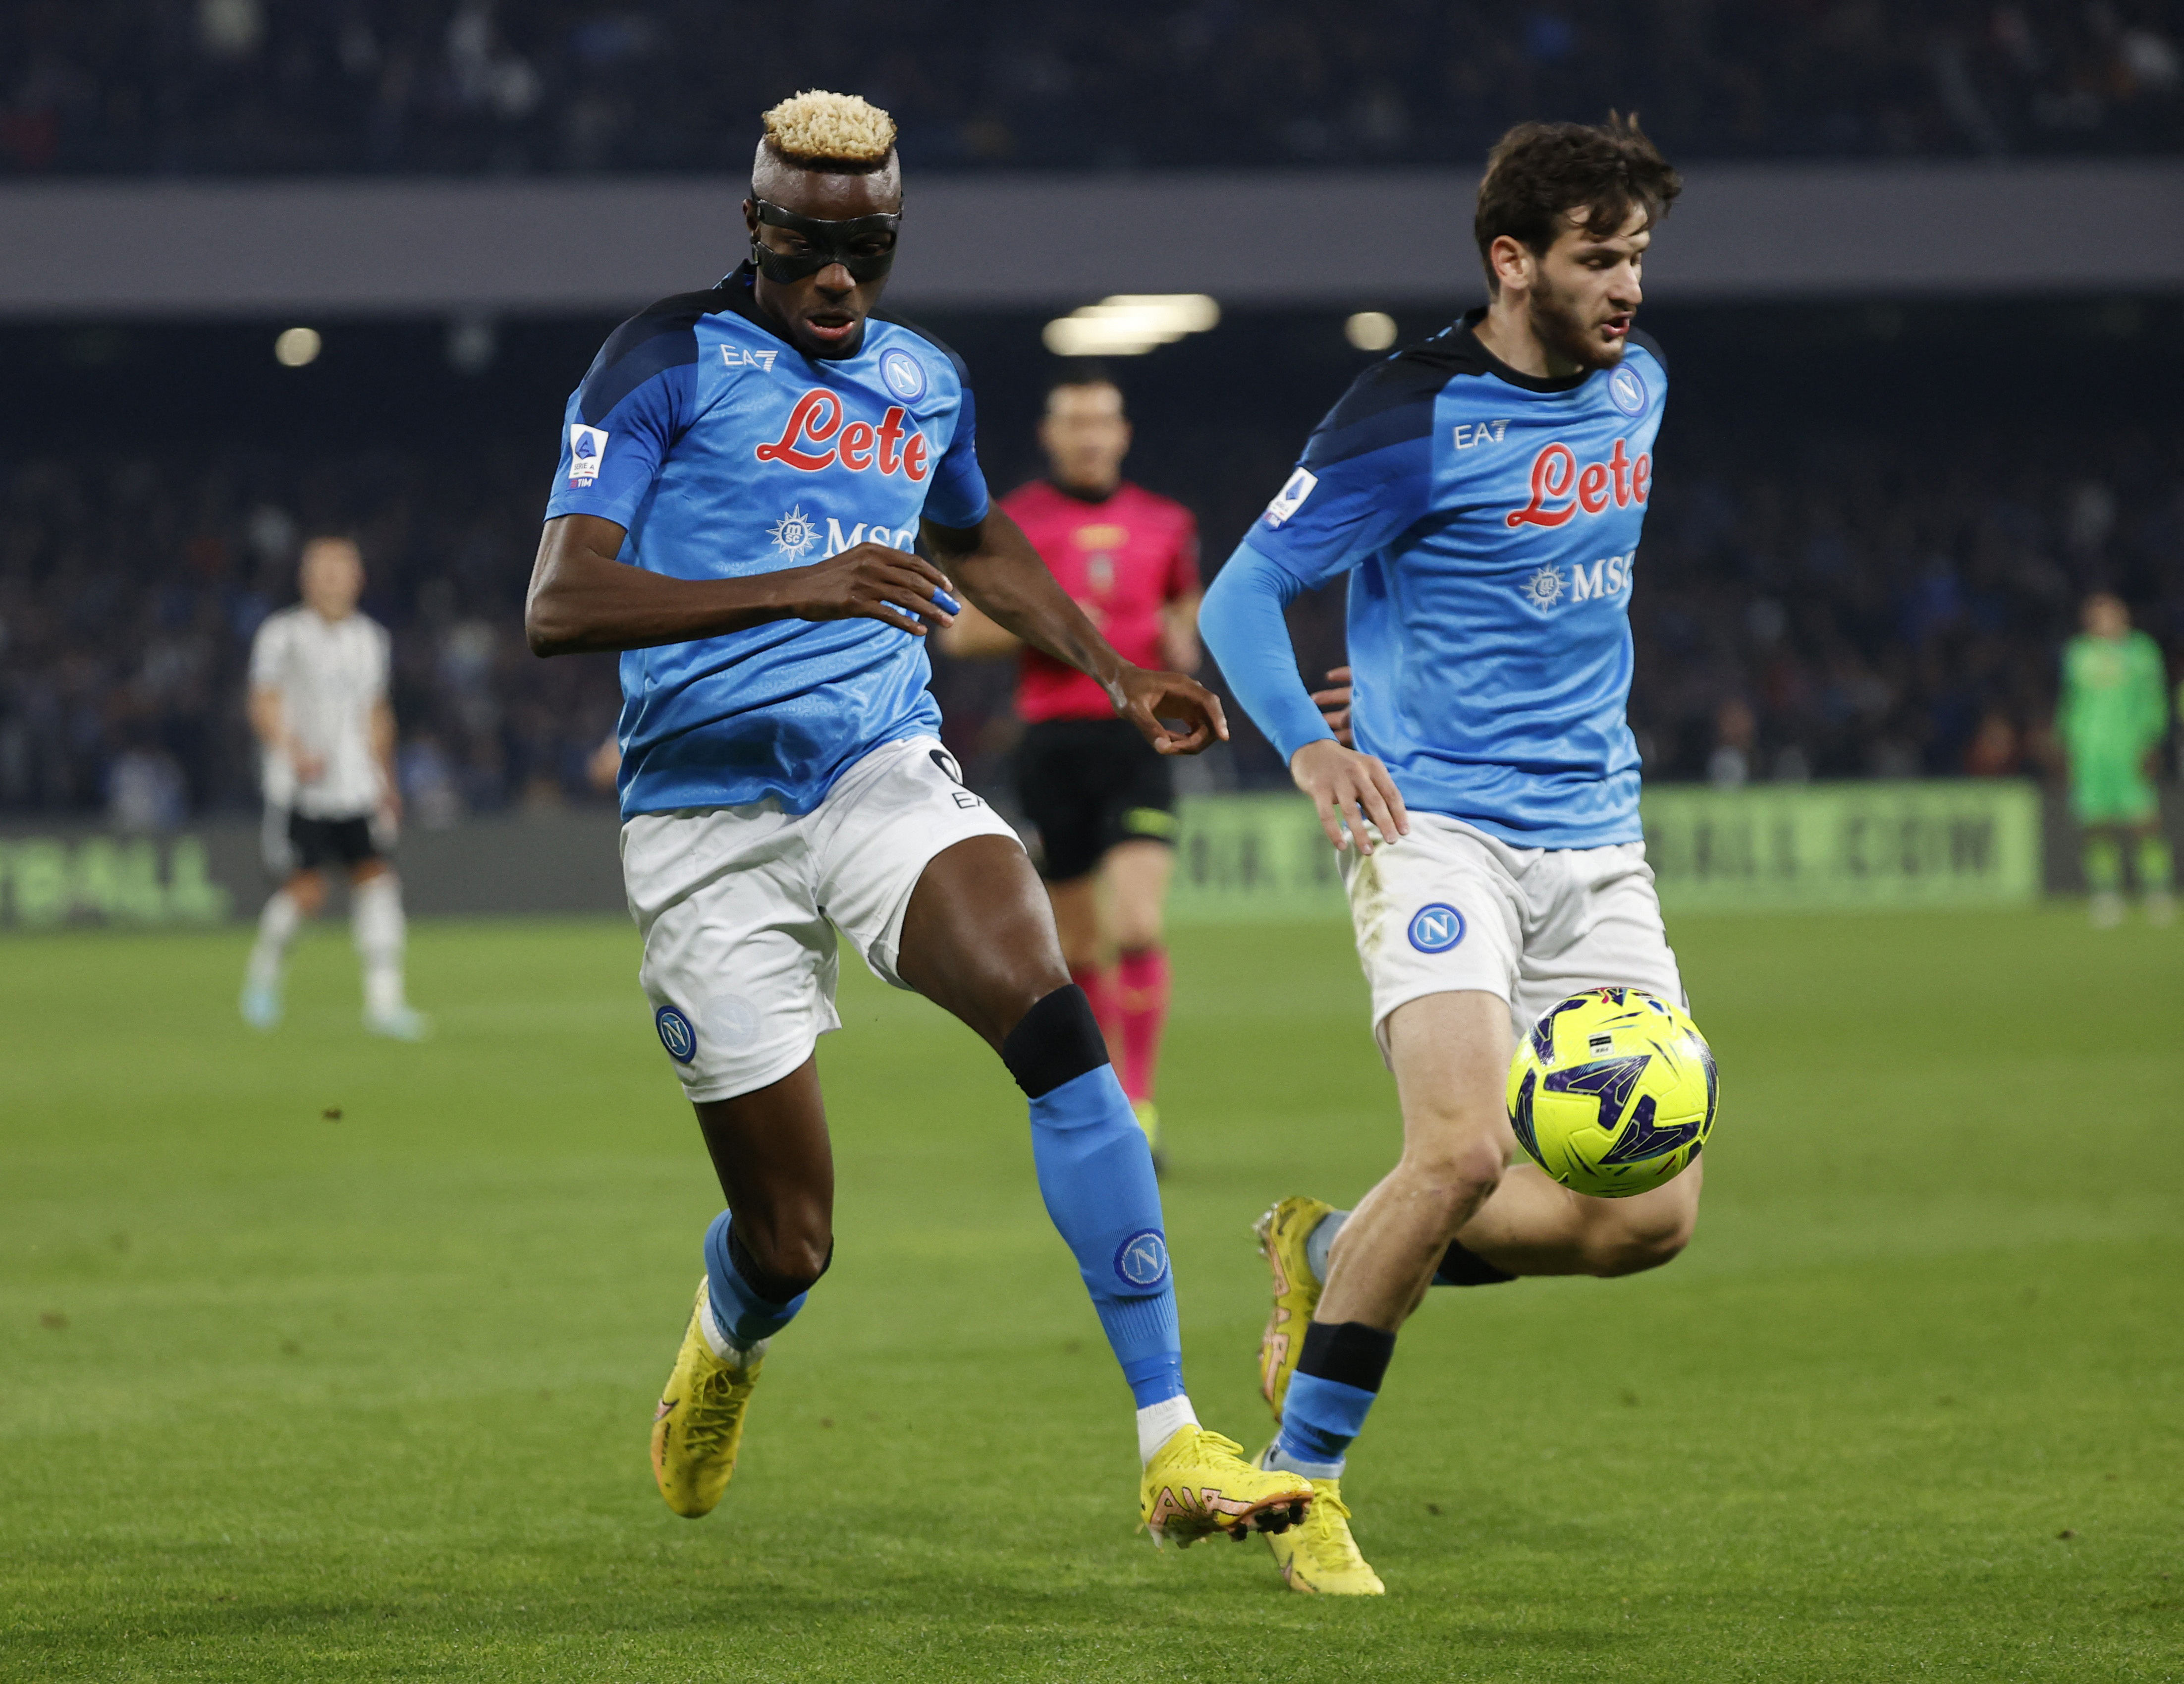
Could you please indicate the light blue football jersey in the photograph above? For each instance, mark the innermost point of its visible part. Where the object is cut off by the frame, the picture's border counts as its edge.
(1489, 520)
(725, 452)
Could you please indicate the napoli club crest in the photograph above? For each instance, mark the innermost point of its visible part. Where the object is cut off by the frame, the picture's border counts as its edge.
(675, 1035)
(904, 374)
(1141, 1260)
(1435, 928)
(1626, 390)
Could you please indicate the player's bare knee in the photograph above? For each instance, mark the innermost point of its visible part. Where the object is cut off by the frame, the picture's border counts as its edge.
(1628, 1246)
(1079, 956)
(782, 1259)
(1455, 1174)
(1138, 927)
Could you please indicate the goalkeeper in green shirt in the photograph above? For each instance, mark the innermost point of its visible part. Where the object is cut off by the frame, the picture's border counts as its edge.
(2114, 714)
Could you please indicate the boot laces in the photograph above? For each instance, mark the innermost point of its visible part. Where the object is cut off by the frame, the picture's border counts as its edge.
(1329, 1526)
(714, 1397)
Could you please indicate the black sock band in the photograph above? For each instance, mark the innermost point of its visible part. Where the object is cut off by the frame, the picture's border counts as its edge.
(774, 1289)
(1348, 1353)
(1460, 1268)
(1056, 1041)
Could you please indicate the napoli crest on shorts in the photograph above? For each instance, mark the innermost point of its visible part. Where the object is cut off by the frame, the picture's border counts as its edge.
(1435, 928)
(1626, 390)
(675, 1035)
(904, 375)
(1141, 1260)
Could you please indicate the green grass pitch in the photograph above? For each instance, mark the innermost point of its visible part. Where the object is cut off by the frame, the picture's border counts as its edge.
(321, 1358)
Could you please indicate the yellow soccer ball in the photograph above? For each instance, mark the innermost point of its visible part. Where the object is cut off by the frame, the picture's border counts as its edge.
(1613, 1092)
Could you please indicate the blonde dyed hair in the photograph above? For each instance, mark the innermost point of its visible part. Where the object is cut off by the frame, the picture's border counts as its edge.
(843, 133)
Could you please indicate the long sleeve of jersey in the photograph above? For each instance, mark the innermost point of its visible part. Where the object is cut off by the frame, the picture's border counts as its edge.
(1366, 475)
(1242, 624)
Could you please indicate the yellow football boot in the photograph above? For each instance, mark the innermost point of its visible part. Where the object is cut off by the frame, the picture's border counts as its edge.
(1320, 1556)
(1198, 1483)
(698, 1426)
(1147, 1116)
(1283, 1232)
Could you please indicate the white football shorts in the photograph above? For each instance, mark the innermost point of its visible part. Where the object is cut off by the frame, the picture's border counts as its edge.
(739, 907)
(1449, 907)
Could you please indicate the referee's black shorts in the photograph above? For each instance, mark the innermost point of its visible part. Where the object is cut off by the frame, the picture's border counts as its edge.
(294, 842)
(1087, 784)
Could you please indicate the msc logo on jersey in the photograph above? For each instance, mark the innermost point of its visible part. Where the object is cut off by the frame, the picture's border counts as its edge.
(904, 374)
(587, 445)
(1141, 1260)
(1626, 390)
(793, 533)
(1588, 582)
(1590, 490)
(1435, 928)
(675, 1035)
(859, 446)
(1290, 497)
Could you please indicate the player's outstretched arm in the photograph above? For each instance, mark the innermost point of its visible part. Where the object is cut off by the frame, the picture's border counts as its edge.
(1243, 624)
(582, 599)
(1002, 575)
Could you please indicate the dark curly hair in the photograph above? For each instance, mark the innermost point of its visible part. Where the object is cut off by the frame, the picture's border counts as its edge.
(1539, 173)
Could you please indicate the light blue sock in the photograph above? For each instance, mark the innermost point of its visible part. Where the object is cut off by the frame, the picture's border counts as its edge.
(738, 1311)
(1320, 1418)
(1095, 1173)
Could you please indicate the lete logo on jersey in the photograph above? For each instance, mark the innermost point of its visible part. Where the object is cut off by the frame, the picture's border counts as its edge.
(818, 418)
(1590, 490)
(587, 446)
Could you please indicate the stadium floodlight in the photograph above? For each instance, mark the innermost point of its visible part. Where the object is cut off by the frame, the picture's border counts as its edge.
(1370, 330)
(1130, 324)
(297, 346)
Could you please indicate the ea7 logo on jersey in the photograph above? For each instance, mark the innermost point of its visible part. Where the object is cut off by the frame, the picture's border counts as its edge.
(859, 447)
(1290, 497)
(1470, 435)
(587, 445)
(742, 356)
(1590, 490)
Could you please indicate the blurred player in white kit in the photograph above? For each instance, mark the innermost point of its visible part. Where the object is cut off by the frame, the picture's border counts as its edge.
(318, 705)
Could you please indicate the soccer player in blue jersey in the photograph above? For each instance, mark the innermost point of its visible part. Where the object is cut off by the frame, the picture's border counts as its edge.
(1483, 490)
(743, 471)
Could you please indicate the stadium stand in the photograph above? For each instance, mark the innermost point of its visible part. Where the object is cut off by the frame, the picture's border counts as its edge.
(248, 87)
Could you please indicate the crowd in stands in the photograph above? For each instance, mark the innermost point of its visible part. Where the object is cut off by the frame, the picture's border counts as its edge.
(1874, 605)
(259, 87)
(130, 588)
(1860, 607)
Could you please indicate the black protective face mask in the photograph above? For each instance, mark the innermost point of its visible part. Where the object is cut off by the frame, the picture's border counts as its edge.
(854, 242)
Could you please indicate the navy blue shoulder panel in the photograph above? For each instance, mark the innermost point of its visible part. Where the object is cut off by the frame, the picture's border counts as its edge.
(1639, 336)
(661, 336)
(962, 369)
(1392, 402)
